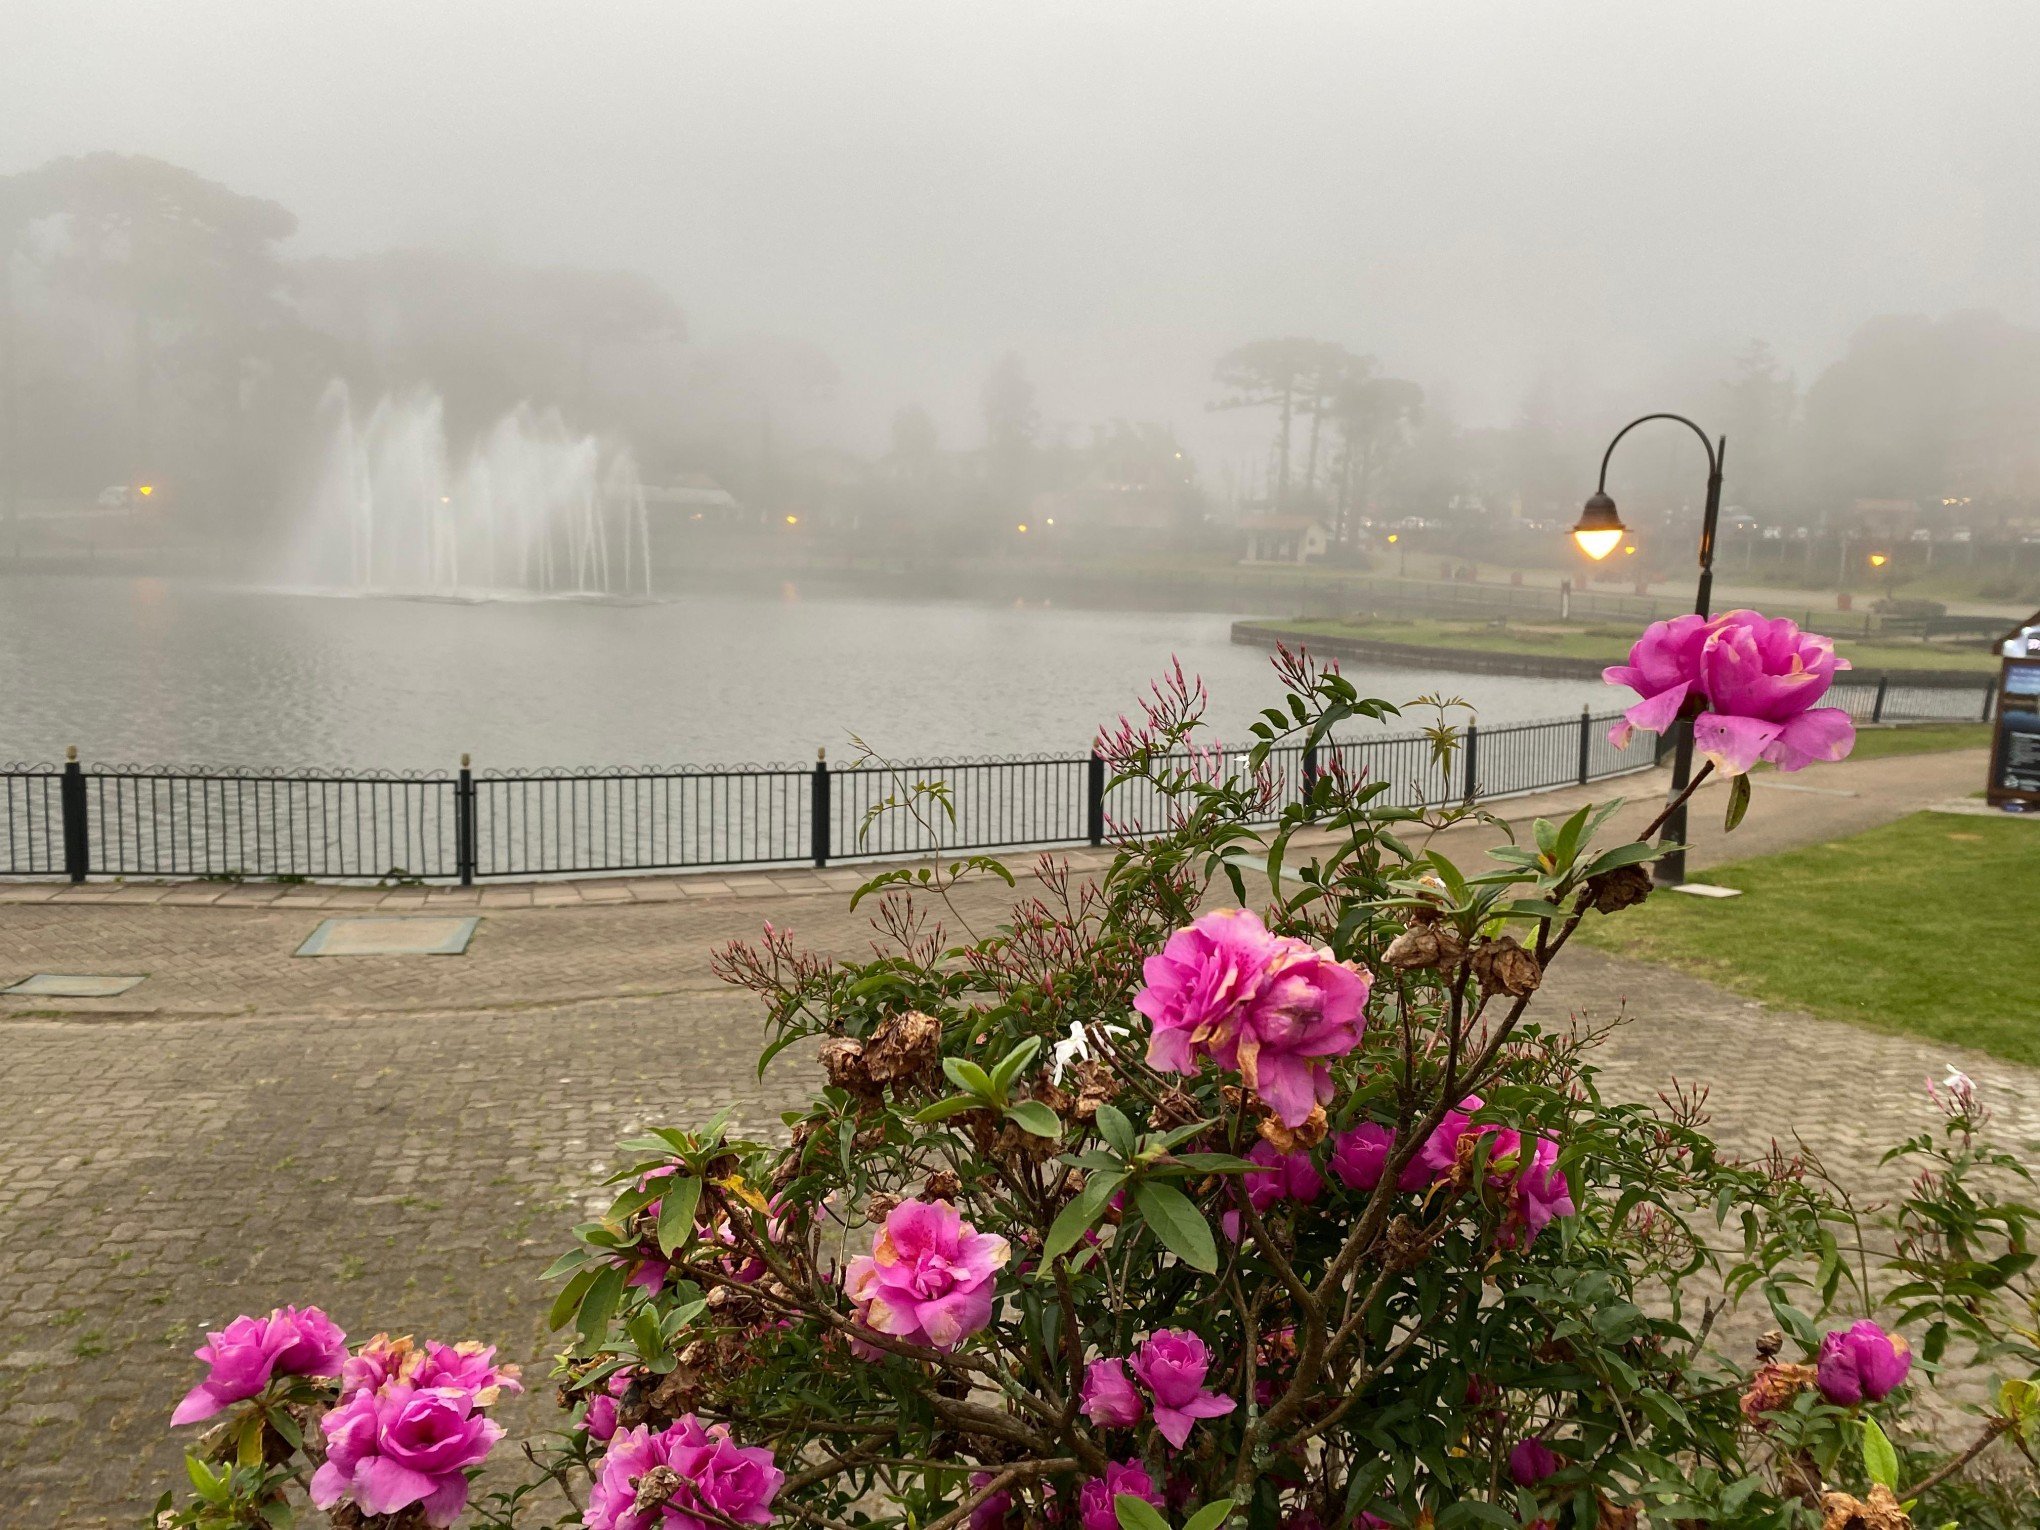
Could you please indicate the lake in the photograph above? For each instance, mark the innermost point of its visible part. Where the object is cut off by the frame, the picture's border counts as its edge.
(165, 671)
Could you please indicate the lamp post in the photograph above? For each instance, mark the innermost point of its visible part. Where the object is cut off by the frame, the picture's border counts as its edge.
(1599, 531)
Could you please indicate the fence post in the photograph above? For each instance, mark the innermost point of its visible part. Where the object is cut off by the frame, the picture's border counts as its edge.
(818, 814)
(464, 824)
(1989, 695)
(1472, 760)
(1094, 798)
(1586, 740)
(77, 848)
(1877, 706)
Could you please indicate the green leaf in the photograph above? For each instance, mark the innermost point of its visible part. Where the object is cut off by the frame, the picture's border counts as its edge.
(1625, 855)
(1075, 1219)
(1009, 1068)
(1179, 1225)
(599, 1303)
(1880, 1460)
(568, 1302)
(968, 1076)
(1137, 1513)
(2019, 1402)
(1738, 802)
(1210, 1517)
(571, 1260)
(942, 1110)
(1217, 1163)
(248, 1444)
(676, 1213)
(277, 1514)
(1036, 1117)
(212, 1489)
(1116, 1129)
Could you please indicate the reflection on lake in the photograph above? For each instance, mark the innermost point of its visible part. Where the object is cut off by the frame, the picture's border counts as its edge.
(159, 671)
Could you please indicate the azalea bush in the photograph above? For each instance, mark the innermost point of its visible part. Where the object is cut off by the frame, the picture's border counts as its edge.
(1245, 1183)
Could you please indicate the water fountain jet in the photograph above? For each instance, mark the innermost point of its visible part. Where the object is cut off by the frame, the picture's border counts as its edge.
(533, 510)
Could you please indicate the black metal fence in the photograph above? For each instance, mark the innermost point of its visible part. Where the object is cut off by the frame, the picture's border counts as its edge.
(465, 825)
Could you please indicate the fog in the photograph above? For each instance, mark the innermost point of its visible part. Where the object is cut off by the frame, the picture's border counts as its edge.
(826, 224)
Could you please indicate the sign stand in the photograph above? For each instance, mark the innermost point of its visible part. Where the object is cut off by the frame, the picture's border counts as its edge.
(2015, 726)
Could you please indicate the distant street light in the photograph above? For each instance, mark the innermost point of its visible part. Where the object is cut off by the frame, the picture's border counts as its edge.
(145, 490)
(1598, 532)
(1021, 528)
(793, 520)
(1878, 560)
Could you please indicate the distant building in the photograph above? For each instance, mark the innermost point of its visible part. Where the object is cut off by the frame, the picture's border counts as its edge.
(692, 496)
(1284, 539)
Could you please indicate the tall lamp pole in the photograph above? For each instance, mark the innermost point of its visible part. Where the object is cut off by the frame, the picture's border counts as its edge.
(1599, 529)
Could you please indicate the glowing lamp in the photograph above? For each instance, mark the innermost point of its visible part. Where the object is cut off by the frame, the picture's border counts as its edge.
(1022, 527)
(145, 490)
(1878, 560)
(793, 520)
(1599, 530)
(1393, 537)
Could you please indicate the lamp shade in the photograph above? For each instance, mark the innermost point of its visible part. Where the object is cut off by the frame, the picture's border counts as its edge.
(1599, 529)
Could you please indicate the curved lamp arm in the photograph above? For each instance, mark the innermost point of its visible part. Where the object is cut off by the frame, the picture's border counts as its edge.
(1713, 463)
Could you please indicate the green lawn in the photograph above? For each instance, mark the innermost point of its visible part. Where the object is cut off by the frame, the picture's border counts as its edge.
(1927, 738)
(1609, 644)
(1924, 926)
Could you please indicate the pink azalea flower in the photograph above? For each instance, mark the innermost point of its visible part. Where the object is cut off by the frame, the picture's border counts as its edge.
(1531, 1461)
(929, 1276)
(1360, 1155)
(1748, 682)
(380, 1361)
(1861, 1363)
(1266, 1006)
(1108, 1398)
(1537, 1195)
(994, 1512)
(1285, 1176)
(1172, 1366)
(389, 1449)
(1440, 1152)
(1095, 1509)
(600, 1417)
(470, 1366)
(242, 1357)
(716, 1474)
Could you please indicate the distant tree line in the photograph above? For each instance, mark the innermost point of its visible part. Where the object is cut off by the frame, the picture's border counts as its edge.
(152, 327)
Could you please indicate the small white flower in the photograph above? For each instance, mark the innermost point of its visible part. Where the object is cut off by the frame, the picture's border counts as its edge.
(1075, 1046)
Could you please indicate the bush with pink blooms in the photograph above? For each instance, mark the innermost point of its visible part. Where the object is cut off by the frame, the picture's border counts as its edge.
(1248, 1183)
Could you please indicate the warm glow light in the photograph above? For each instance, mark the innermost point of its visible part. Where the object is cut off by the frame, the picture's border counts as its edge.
(793, 520)
(1393, 537)
(146, 490)
(1629, 550)
(1598, 544)
(1021, 527)
(1051, 520)
(1878, 560)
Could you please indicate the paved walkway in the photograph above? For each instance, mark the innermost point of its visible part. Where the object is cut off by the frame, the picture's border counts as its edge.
(405, 1139)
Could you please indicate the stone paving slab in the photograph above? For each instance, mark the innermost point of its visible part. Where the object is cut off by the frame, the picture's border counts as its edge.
(417, 935)
(66, 985)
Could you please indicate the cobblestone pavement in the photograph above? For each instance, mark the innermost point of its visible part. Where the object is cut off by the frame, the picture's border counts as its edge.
(404, 1140)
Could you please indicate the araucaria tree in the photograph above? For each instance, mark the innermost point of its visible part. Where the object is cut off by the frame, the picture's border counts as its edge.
(1242, 1184)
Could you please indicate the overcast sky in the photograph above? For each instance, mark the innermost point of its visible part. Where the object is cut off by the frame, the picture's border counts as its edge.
(1477, 193)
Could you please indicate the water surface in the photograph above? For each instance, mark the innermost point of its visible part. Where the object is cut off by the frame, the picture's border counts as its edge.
(140, 670)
